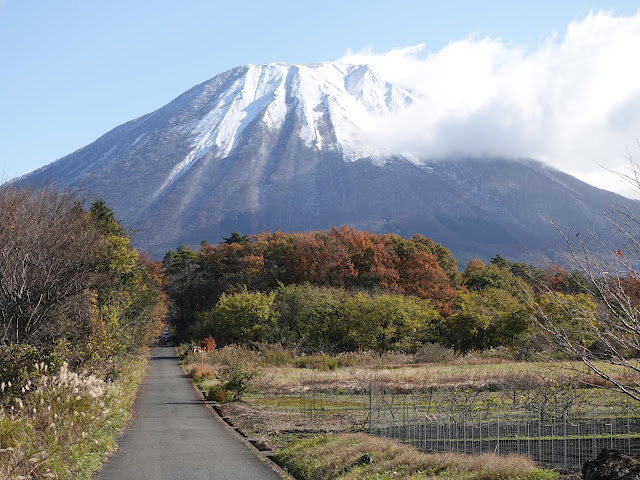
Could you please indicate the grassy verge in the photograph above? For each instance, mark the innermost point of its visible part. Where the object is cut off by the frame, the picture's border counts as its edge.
(359, 456)
(66, 424)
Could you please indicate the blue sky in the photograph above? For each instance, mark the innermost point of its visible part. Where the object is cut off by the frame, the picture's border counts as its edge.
(72, 70)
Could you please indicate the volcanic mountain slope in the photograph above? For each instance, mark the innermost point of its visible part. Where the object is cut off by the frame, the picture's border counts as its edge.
(281, 147)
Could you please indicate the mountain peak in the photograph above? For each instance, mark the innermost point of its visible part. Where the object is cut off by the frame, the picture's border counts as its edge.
(274, 146)
(331, 105)
(347, 97)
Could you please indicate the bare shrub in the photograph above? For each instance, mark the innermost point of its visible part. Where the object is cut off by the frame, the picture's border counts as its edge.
(550, 398)
(198, 371)
(48, 255)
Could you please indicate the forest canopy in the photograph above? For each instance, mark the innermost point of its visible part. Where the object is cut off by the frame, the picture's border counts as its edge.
(344, 290)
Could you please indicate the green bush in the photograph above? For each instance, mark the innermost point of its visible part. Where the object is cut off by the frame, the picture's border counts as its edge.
(325, 362)
(239, 317)
(217, 393)
(236, 373)
(230, 353)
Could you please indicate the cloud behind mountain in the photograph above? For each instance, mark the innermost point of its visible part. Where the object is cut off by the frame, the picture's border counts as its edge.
(573, 102)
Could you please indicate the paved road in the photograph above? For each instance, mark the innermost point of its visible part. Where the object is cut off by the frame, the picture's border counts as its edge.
(174, 436)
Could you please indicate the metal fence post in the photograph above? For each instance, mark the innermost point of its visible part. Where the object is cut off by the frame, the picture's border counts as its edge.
(518, 434)
(424, 448)
(579, 446)
(449, 429)
(553, 440)
(628, 432)
(464, 429)
(593, 433)
(539, 436)
(404, 413)
(611, 437)
(415, 436)
(564, 420)
(370, 410)
(498, 442)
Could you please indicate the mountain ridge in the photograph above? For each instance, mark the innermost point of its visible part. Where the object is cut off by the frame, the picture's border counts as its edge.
(280, 147)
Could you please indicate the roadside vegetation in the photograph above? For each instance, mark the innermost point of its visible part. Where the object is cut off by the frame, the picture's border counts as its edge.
(319, 393)
(78, 308)
(294, 405)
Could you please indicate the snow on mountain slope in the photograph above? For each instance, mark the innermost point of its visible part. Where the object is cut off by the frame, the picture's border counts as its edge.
(280, 147)
(349, 98)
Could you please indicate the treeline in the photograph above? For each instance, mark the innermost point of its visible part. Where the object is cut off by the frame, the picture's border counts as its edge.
(343, 290)
(340, 258)
(306, 318)
(72, 287)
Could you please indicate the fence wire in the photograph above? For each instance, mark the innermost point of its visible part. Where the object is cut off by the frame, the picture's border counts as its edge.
(566, 439)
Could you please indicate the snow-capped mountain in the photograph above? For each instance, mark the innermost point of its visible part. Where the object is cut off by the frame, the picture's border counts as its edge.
(331, 103)
(283, 147)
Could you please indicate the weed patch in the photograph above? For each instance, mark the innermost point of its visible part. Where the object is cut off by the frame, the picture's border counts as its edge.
(359, 456)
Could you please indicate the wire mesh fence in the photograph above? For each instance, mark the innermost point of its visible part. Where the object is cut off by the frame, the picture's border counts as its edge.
(566, 441)
(550, 438)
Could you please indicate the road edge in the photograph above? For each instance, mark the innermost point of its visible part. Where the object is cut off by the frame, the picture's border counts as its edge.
(254, 451)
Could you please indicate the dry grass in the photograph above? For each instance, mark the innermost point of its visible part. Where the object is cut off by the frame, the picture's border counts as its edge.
(359, 456)
(64, 424)
(288, 379)
(201, 373)
(404, 378)
(280, 411)
(282, 373)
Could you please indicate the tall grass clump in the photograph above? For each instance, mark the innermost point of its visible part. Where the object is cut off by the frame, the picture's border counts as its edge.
(234, 369)
(62, 425)
(324, 362)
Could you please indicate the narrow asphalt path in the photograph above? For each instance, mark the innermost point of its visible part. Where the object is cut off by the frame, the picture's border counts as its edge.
(175, 436)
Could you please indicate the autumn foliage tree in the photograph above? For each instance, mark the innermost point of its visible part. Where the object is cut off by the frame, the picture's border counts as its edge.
(421, 275)
(340, 258)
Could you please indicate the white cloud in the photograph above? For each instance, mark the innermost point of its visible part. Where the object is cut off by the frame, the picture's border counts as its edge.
(574, 102)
